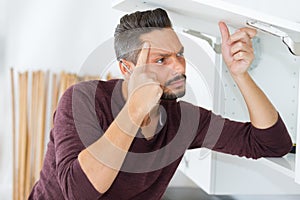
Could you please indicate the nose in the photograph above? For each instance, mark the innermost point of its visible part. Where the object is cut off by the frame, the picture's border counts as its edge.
(178, 65)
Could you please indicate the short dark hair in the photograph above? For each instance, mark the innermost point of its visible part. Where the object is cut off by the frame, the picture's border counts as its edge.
(127, 34)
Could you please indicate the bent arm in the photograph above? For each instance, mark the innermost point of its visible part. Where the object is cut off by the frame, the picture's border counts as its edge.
(261, 111)
(238, 55)
(85, 161)
(102, 160)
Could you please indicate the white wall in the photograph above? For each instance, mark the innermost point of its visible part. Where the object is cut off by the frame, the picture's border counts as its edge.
(57, 34)
(39, 34)
(5, 142)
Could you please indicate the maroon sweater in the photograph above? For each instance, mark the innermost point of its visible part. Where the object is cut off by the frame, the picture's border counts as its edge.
(87, 109)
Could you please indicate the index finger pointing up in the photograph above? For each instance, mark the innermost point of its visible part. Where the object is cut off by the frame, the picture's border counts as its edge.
(142, 60)
(224, 32)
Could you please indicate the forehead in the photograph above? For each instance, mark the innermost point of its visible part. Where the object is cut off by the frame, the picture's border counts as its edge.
(165, 40)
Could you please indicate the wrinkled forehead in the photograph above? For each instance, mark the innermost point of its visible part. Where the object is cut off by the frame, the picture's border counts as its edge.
(163, 39)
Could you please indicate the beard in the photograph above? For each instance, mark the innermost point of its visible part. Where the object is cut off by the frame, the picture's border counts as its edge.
(176, 92)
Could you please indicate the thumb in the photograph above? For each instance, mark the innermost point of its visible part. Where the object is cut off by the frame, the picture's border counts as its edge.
(224, 32)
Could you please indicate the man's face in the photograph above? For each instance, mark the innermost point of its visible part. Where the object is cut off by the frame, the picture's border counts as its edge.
(166, 60)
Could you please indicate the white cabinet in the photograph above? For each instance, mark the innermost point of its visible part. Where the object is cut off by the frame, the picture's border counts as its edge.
(218, 173)
(276, 71)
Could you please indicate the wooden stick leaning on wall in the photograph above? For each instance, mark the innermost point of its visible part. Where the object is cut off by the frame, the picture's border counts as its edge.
(38, 124)
(37, 118)
(43, 102)
(26, 142)
(30, 139)
(20, 115)
(20, 136)
(31, 144)
(40, 102)
(15, 189)
(23, 79)
(34, 171)
(67, 80)
(54, 96)
(62, 84)
(32, 127)
(71, 80)
(33, 118)
(89, 78)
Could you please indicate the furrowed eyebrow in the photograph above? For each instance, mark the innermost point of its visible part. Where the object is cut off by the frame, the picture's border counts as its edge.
(169, 54)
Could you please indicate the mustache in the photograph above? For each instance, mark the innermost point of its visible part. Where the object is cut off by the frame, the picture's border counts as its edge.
(176, 78)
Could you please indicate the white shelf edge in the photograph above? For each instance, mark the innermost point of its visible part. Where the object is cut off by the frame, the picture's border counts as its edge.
(285, 165)
(297, 164)
(250, 13)
(126, 5)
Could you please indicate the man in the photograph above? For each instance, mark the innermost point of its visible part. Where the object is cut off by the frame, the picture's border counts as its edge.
(132, 143)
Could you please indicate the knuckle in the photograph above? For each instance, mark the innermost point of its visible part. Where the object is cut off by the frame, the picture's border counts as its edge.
(232, 50)
(244, 33)
(239, 44)
(239, 55)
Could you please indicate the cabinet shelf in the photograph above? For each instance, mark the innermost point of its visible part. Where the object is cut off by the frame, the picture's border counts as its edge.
(285, 165)
(207, 11)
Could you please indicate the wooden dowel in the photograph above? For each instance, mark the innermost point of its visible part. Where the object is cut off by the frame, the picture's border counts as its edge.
(35, 127)
(62, 84)
(109, 76)
(54, 97)
(74, 79)
(38, 125)
(27, 142)
(22, 133)
(43, 103)
(67, 81)
(15, 189)
(30, 139)
(19, 131)
(20, 82)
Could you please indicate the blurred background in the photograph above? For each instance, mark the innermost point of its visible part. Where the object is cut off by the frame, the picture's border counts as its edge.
(44, 35)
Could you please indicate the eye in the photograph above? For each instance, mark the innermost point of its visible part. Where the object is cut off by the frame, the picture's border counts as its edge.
(160, 61)
(180, 54)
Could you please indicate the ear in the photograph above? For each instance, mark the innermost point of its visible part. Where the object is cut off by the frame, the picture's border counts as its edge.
(123, 69)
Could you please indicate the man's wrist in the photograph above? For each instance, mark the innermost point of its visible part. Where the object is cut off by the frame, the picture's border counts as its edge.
(239, 78)
(125, 121)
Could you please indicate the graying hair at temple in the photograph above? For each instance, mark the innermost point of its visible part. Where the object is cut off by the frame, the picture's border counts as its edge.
(127, 33)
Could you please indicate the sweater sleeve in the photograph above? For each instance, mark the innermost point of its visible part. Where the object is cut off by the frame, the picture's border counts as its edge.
(68, 144)
(242, 139)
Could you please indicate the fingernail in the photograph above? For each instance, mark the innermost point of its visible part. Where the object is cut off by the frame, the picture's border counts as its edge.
(146, 45)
